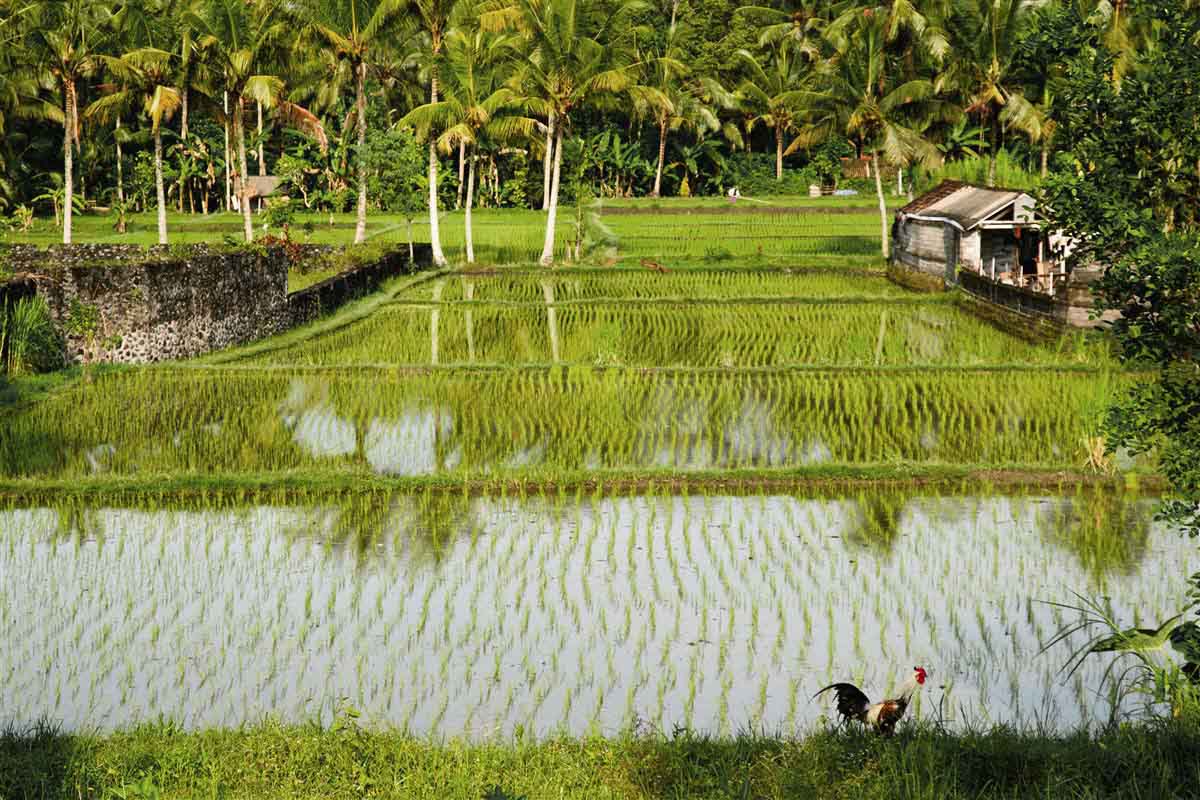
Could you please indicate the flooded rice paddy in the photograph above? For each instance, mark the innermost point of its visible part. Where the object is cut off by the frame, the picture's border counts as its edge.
(481, 613)
(477, 616)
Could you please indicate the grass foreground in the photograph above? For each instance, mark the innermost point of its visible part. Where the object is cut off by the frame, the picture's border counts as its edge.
(1149, 760)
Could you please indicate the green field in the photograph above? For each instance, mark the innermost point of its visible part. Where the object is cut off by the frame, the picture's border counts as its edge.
(498, 505)
(814, 234)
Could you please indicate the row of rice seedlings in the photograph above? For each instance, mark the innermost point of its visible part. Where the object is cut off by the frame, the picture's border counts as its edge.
(544, 422)
(765, 225)
(696, 244)
(503, 622)
(737, 334)
(575, 284)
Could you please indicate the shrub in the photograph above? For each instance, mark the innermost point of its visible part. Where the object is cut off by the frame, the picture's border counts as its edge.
(29, 342)
(754, 174)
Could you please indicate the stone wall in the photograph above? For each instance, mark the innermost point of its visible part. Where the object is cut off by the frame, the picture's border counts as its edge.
(160, 303)
(313, 301)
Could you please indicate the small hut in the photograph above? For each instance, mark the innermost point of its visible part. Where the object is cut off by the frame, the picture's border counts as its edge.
(258, 187)
(992, 232)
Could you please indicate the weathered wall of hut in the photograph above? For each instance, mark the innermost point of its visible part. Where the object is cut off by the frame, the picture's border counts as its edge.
(927, 247)
(970, 250)
(156, 304)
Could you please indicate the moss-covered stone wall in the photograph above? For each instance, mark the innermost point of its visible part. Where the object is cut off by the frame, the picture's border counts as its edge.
(129, 304)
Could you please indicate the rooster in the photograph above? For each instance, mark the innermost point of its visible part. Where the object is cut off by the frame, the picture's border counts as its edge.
(882, 716)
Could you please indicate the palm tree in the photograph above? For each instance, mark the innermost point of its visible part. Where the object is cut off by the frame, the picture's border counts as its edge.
(576, 57)
(145, 74)
(476, 105)
(434, 16)
(235, 37)
(770, 91)
(984, 71)
(352, 32)
(675, 106)
(800, 27)
(911, 28)
(858, 97)
(66, 39)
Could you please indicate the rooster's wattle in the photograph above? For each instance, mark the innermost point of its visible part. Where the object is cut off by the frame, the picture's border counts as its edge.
(882, 716)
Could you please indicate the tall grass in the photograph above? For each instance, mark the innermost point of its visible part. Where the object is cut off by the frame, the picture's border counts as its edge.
(29, 342)
(1010, 173)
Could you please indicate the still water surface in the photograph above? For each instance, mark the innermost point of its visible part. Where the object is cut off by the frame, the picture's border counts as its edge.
(481, 616)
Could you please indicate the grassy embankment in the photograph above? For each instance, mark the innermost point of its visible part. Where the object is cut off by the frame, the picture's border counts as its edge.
(1160, 760)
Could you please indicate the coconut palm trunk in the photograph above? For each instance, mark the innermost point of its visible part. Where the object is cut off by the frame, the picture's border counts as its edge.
(883, 225)
(120, 181)
(68, 157)
(778, 153)
(462, 158)
(360, 223)
(470, 202)
(995, 124)
(662, 156)
(183, 119)
(262, 162)
(548, 162)
(239, 134)
(159, 191)
(225, 110)
(552, 211)
(439, 258)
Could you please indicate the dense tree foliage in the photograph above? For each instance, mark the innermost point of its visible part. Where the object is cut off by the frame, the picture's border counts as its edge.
(172, 102)
(1126, 188)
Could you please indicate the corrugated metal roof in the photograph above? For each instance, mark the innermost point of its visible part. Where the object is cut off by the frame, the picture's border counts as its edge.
(966, 204)
(943, 190)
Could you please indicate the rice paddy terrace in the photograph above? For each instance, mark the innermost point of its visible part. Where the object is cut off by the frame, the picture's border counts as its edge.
(512, 499)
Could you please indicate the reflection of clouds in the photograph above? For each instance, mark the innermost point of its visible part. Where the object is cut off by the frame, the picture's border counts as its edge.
(404, 446)
(527, 456)
(409, 445)
(322, 432)
(314, 423)
(99, 458)
(754, 438)
(815, 451)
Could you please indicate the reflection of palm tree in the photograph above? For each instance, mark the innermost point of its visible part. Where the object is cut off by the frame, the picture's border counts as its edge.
(361, 520)
(1106, 531)
(878, 524)
(79, 521)
(436, 519)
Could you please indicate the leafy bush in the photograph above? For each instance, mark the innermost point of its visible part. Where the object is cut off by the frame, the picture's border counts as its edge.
(1009, 173)
(280, 213)
(29, 342)
(754, 174)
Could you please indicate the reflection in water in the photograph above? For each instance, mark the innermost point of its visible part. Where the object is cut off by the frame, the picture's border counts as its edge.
(1107, 531)
(877, 523)
(553, 420)
(473, 615)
